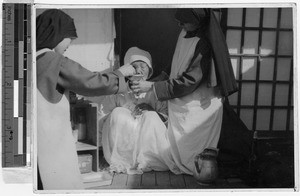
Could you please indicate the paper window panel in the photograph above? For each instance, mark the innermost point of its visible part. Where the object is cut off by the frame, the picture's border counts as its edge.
(270, 17)
(235, 62)
(283, 69)
(286, 18)
(264, 94)
(252, 17)
(235, 16)
(279, 120)
(285, 45)
(246, 116)
(266, 69)
(250, 42)
(263, 119)
(268, 43)
(233, 38)
(281, 94)
(249, 66)
(248, 93)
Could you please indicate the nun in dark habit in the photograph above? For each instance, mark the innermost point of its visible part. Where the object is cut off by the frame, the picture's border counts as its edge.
(201, 76)
(56, 76)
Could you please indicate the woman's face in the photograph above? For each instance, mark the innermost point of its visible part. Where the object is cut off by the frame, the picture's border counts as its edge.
(188, 26)
(63, 46)
(141, 68)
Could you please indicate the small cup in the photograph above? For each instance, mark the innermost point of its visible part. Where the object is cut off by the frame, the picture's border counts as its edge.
(136, 77)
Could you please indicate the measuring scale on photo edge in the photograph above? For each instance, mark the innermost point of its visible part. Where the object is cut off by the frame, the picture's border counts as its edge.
(16, 81)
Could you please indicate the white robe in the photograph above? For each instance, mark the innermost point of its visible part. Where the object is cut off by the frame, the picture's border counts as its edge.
(134, 145)
(195, 119)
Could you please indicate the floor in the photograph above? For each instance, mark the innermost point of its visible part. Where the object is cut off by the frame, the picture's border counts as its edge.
(148, 180)
(168, 180)
(227, 179)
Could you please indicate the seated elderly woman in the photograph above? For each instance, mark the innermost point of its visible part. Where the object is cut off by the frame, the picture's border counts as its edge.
(134, 134)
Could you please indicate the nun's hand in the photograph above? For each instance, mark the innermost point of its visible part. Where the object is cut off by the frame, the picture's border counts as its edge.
(127, 70)
(141, 86)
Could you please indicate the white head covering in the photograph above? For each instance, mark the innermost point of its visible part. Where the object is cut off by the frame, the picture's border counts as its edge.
(136, 54)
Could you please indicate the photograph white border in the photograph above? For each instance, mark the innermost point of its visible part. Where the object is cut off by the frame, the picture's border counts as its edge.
(74, 4)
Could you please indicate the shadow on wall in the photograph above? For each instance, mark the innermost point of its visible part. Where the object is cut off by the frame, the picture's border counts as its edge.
(94, 26)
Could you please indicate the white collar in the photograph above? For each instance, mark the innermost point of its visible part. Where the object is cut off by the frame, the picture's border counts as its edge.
(43, 51)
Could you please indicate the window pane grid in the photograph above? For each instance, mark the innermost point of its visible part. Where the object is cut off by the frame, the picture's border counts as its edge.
(275, 70)
(240, 69)
(258, 70)
(256, 46)
(289, 119)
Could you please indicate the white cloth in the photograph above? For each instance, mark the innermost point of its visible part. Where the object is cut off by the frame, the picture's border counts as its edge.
(56, 150)
(43, 51)
(134, 145)
(195, 119)
(183, 54)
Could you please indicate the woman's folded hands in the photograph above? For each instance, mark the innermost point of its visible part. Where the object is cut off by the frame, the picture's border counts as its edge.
(140, 108)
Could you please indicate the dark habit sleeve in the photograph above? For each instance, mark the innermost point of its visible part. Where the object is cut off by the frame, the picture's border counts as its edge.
(76, 78)
(56, 73)
(181, 86)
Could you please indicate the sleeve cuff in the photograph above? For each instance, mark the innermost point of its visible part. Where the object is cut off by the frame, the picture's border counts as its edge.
(118, 73)
(161, 90)
(122, 84)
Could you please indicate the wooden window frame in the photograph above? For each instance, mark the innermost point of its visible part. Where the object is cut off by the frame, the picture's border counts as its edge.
(272, 107)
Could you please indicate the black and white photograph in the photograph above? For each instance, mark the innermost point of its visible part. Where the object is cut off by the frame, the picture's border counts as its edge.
(138, 98)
